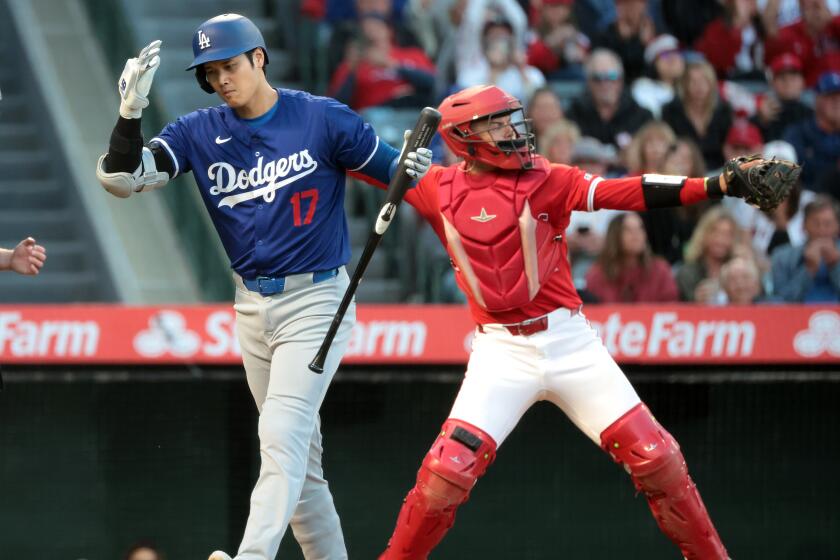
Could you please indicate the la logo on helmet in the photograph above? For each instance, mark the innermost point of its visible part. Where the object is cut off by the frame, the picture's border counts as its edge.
(203, 40)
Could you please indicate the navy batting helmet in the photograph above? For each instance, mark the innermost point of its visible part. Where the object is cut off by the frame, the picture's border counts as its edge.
(221, 38)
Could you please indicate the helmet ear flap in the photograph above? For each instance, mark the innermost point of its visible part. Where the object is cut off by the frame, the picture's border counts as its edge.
(201, 78)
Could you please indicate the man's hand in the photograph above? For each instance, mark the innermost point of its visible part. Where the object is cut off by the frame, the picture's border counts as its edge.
(761, 183)
(417, 163)
(136, 81)
(830, 254)
(26, 258)
(812, 255)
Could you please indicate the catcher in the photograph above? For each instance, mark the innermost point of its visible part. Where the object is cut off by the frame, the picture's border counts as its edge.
(501, 215)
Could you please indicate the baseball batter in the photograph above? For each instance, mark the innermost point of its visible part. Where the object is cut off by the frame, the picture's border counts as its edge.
(271, 167)
(501, 215)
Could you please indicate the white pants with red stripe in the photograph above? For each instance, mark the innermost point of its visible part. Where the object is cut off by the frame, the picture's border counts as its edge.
(566, 364)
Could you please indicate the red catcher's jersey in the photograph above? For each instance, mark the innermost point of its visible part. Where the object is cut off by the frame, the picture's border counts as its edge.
(564, 189)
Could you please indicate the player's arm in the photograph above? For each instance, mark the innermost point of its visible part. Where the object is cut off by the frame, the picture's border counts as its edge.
(358, 149)
(762, 183)
(651, 191)
(129, 166)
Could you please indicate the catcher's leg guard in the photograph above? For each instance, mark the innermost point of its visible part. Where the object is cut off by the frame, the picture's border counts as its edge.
(459, 456)
(657, 467)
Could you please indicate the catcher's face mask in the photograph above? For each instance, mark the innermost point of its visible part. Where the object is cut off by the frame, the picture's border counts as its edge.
(507, 135)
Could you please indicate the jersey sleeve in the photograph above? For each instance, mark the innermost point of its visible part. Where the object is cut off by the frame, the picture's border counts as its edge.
(353, 141)
(173, 140)
(588, 193)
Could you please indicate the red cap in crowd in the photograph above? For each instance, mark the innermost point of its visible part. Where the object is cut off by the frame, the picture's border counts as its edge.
(558, 2)
(744, 134)
(786, 62)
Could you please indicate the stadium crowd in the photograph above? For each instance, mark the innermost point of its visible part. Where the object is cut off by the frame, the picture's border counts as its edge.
(622, 87)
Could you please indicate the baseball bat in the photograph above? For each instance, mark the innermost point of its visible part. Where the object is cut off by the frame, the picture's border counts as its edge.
(420, 137)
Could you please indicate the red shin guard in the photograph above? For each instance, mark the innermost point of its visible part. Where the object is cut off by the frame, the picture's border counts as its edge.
(459, 456)
(657, 467)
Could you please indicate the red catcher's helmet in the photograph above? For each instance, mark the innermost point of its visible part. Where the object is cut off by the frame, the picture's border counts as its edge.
(460, 110)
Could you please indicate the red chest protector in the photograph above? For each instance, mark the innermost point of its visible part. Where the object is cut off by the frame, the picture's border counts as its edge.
(501, 240)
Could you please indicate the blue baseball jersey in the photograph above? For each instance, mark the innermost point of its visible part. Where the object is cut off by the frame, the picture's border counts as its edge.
(275, 192)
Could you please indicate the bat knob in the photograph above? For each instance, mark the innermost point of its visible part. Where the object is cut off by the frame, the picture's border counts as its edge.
(315, 367)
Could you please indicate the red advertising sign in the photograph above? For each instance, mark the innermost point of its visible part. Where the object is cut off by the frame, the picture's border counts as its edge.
(421, 334)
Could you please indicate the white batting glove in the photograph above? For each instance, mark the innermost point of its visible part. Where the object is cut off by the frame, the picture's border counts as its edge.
(136, 81)
(416, 163)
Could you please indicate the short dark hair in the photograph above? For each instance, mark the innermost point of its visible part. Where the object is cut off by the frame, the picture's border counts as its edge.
(250, 56)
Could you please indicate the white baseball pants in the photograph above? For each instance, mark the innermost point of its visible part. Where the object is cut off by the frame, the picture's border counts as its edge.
(279, 336)
(566, 364)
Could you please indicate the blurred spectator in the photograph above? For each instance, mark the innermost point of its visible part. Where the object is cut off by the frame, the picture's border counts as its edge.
(732, 43)
(341, 19)
(669, 229)
(502, 64)
(684, 158)
(606, 111)
(628, 36)
(782, 107)
(650, 145)
(586, 230)
(686, 19)
(593, 156)
(811, 273)
(626, 271)
(740, 281)
(743, 139)
(817, 138)
(666, 65)
(144, 550)
(779, 13)
(436, 24)
(815, 39)
(544, 110)
(376, 72)
(557, 48)
(557, 143)
(710, 246)
(698, 113)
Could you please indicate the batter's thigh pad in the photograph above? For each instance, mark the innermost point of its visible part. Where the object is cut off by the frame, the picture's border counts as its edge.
(457, 459)
(655, 463)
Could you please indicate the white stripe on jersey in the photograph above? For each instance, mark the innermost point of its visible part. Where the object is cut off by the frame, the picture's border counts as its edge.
(590, 196)
(163, 143)
(375, 147)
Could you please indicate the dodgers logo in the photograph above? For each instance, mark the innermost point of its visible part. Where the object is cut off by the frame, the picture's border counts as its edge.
(273, 175)
(203, 40)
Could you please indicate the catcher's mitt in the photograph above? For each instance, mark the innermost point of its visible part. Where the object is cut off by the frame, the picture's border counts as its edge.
(765, 184)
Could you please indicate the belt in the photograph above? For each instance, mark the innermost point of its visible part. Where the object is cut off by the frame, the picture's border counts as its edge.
(525, 328)
(267, 285)
(535, 325)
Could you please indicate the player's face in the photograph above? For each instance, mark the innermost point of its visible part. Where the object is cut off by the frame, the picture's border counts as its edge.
(495, 129)
(235, 80)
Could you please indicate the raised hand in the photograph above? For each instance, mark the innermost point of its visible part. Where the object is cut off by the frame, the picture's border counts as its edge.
(136, 81)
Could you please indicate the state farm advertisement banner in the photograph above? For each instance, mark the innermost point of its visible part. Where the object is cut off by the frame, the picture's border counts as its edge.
(417, 334)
